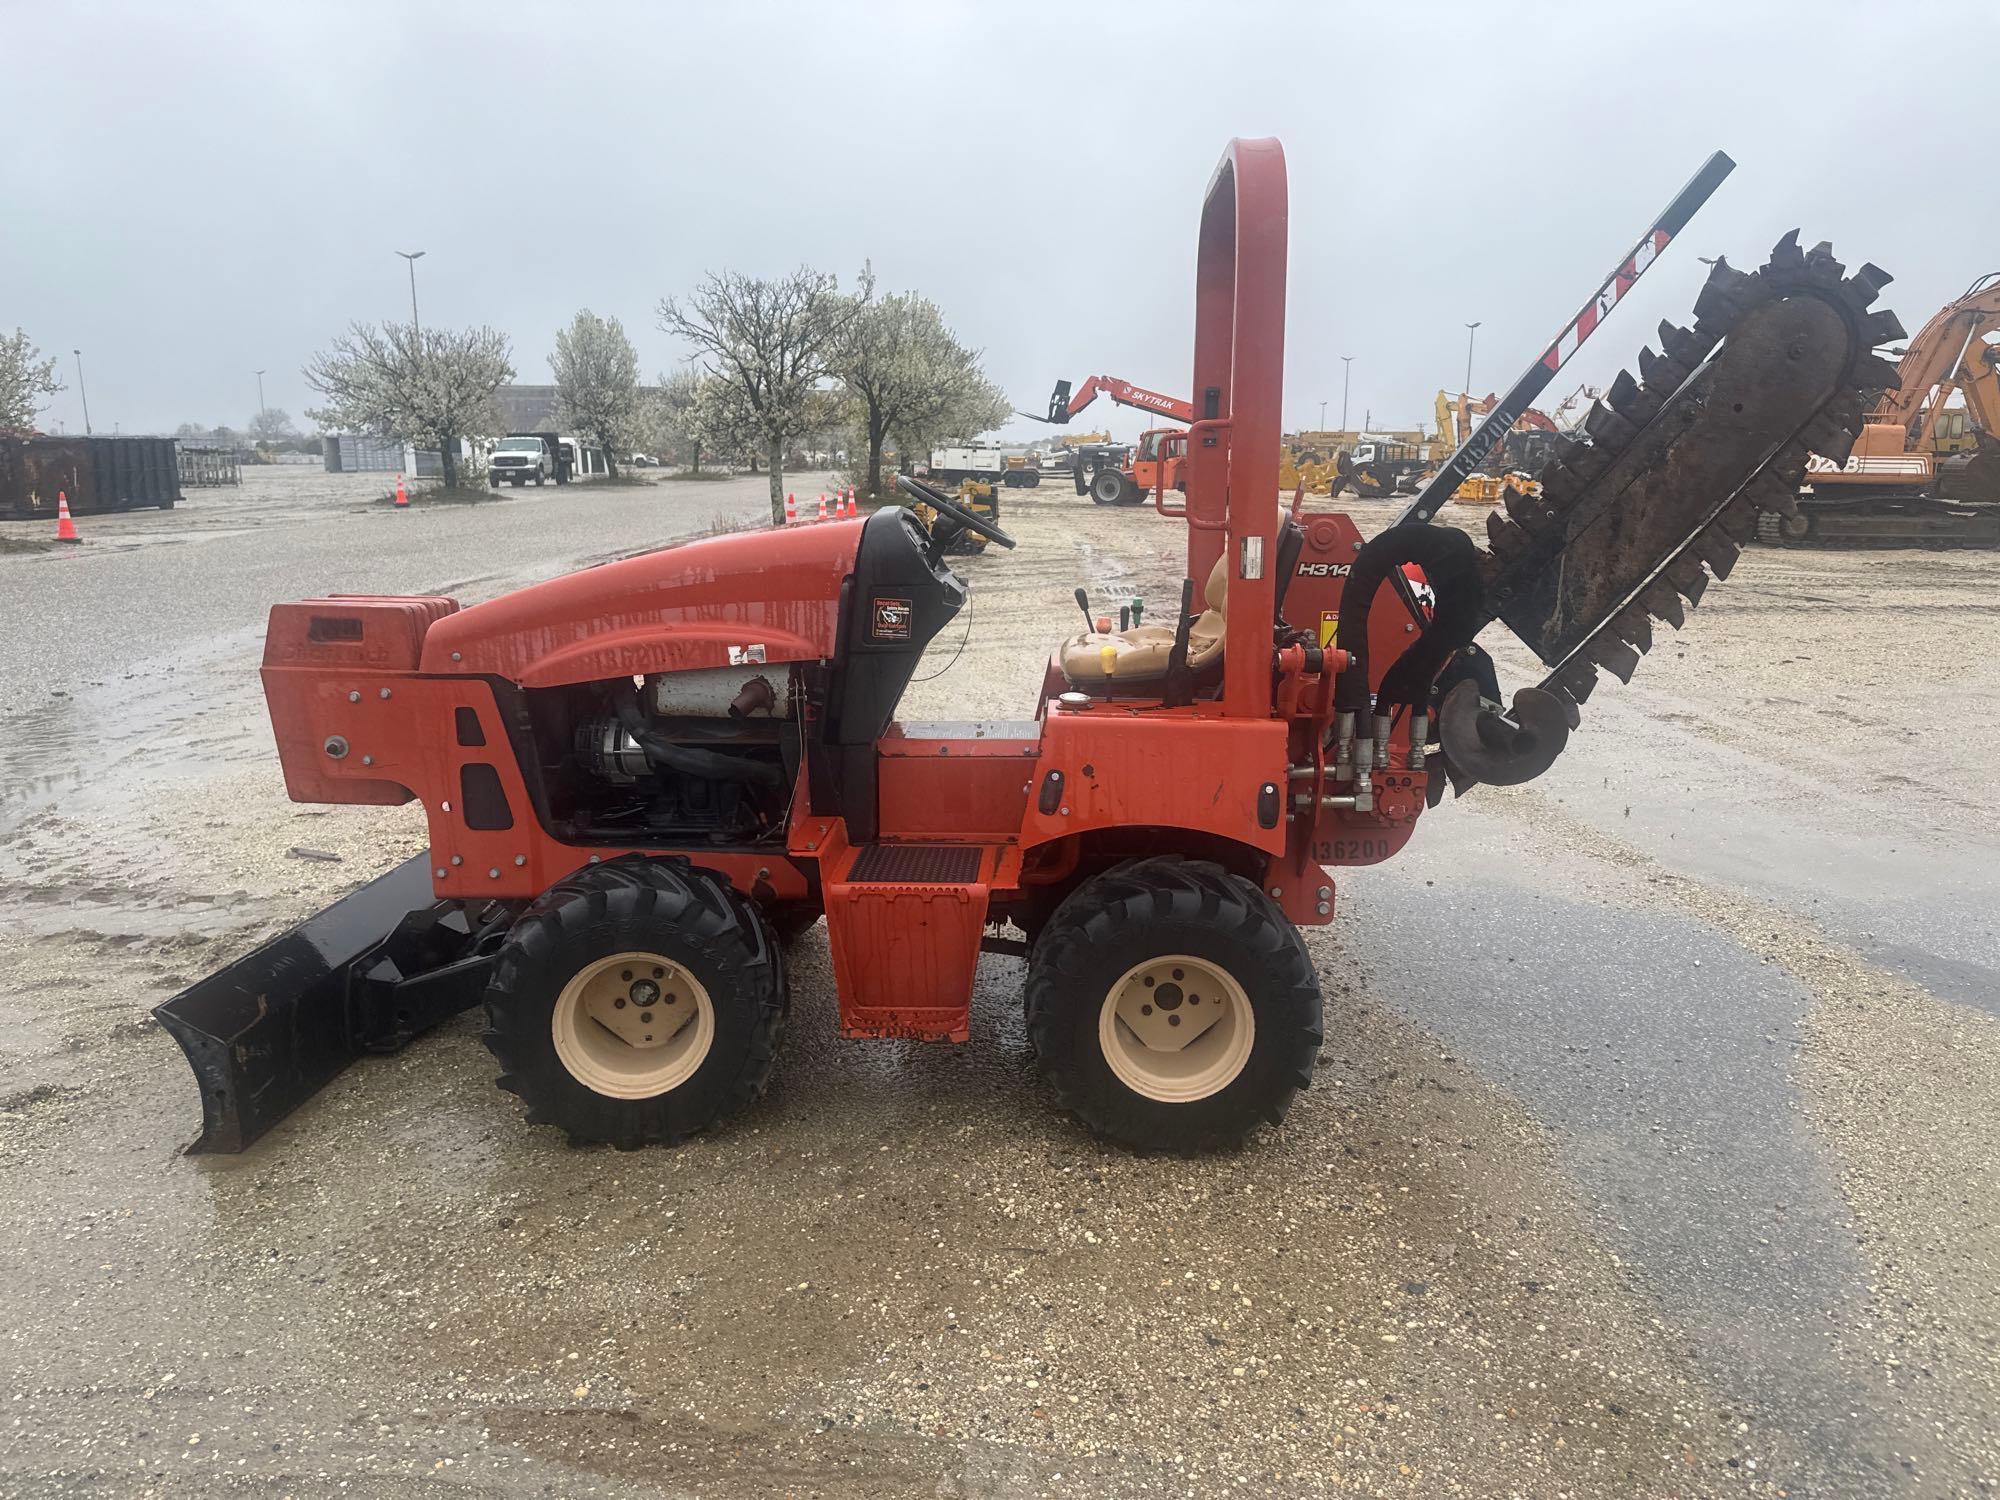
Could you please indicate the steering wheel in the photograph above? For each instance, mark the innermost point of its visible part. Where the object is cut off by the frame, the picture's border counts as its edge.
(937, 500)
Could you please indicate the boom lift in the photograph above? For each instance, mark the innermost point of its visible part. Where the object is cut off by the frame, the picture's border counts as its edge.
(1898, 486)
(640, 777)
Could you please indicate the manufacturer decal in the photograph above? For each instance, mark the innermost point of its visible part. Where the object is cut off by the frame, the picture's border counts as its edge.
(891, 621)
(1323, 570)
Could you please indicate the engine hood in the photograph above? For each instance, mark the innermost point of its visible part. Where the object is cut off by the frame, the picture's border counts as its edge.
(771, 596)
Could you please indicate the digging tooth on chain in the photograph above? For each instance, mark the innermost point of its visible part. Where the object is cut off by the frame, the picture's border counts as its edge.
(1679, 344)
(1503, 535)
(1605, 426)
(1768, 492)
(1789, 463)
(1685, 574)
(1612, 654)
(1880, 328)
(1629, 399)
(1725, 294)
(1667, 376)
(1786, 256)
(1875, 374)
(1718, 551)
(1587, 462)
(1575, 680)
(1822, 267)
(1663, 603)
(1634, 627)
(1866, 284)
(1828, 438)
(1738, 519)
(1529, 513)
(1559, 486)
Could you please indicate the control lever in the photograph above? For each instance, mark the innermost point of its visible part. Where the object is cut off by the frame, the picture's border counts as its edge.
(1178, 688)
(1083, 603)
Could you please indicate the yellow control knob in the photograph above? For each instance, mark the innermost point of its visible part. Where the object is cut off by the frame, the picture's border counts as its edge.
(1108, 655)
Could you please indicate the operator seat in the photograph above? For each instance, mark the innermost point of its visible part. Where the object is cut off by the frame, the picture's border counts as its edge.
(1139, 655)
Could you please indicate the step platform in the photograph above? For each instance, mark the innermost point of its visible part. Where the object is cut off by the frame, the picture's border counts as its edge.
(904, 920)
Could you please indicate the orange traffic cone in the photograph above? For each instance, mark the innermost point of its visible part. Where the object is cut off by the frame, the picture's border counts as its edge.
(65, 527)
(850, 501)
(402, 496)
(791, 509)
(822, 507)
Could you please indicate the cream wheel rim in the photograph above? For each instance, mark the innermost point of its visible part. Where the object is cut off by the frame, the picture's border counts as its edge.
(633, 1026)
(1176, 1028)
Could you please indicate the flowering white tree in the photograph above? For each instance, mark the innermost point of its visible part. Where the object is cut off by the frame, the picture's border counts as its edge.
(429, 387)
(771, 343)
(910, 376)
(26, 378)
(597, 382)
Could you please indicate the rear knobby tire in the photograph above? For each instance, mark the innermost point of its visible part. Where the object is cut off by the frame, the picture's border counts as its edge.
(631, 920)
(1146, 920)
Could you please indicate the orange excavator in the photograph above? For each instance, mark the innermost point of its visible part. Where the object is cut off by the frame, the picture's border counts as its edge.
(1899, 487)
(1156, 463)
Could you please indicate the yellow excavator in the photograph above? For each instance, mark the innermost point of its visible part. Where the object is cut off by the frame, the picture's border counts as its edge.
(1914, 479)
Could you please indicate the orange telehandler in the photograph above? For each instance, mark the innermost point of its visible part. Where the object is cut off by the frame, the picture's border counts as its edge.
(1160, 458)
(1897, 488)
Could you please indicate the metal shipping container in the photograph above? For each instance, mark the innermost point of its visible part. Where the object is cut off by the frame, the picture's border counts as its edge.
(98, 474)
(349, 453)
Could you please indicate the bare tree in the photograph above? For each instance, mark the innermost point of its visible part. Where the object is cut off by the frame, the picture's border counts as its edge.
(597, 382)
(208, 433)
(771, 342)
(431, 387)
(25, 379)
(909, 374)
(272, 425)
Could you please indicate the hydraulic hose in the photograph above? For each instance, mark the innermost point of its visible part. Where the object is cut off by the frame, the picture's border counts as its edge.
(1450, 560)
(708, 765)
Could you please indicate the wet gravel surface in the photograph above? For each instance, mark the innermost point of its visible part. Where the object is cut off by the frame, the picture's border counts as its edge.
(1649, 1154)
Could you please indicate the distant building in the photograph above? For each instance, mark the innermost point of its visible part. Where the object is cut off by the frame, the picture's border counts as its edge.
(532, 408)
(526, 408)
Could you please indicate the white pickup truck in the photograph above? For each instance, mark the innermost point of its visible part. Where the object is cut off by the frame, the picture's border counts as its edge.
(519, 459)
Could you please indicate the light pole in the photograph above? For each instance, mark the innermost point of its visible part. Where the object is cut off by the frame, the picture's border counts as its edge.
(413, 256)
(82, 390)
(1471, 333)
(1346, 372)
(260, 393)
(1322, 416)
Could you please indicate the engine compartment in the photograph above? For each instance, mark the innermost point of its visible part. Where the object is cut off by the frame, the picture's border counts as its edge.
(683, 757)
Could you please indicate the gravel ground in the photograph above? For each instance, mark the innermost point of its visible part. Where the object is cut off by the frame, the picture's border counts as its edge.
(1652, 1153)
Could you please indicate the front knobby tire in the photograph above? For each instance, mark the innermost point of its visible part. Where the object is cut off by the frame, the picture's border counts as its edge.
(636, 1003)
(1141, 944)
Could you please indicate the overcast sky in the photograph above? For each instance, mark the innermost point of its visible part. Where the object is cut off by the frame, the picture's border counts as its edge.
(196, 191)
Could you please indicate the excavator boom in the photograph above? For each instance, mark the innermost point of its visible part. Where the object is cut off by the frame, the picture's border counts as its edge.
(1897, 489)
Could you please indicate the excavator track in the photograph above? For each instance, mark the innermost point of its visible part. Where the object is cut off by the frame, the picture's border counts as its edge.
(1636, 519)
